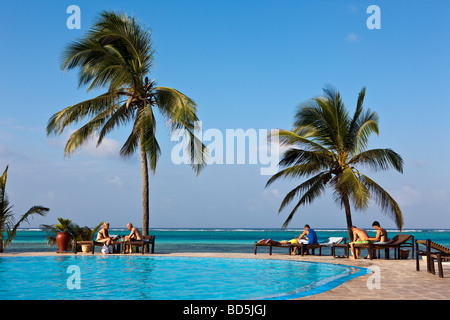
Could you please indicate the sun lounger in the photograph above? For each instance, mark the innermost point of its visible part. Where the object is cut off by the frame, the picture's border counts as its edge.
(271, 245)
(399, 242)
(117, 245)
(93, 244)
(440, 254)
(140, 243)
(304, 246)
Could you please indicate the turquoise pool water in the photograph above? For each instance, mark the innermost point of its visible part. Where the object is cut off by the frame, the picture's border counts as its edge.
(164, 278)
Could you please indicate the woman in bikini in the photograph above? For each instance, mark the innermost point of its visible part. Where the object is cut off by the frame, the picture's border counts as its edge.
(381, 236)
(103, 235)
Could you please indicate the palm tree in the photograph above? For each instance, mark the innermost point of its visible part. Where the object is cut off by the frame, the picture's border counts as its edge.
(117, 54)
(7, 223)
(327, 146)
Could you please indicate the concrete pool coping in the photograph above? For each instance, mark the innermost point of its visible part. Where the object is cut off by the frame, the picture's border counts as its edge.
(392, 279)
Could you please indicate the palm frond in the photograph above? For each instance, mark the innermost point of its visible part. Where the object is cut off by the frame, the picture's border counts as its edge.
(6, 215)
(118, 116)
(350, 139)
(35, 210)
(132, 143)
(147, 131)
(180, 112)
(76, 113)
(291, 138)
(295, 171)
(116, 50)
(299, 156)
(387, 203)
(350, 186)
(367, 125)
(379, 159)
(314, 188)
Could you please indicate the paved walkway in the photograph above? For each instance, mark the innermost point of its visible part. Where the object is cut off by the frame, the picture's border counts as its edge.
(398, 279)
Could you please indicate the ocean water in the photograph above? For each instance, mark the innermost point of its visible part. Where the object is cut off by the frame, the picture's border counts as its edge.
(218, 240)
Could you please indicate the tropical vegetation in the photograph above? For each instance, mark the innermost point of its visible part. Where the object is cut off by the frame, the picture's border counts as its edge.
(7, 221)
(66, 225)
(327, 146)
(116, 54)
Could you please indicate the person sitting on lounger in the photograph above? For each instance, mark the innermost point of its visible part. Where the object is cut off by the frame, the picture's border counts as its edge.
(381, 236)
(103, 235)
(309, 235)
(360, 236)
(135, 235)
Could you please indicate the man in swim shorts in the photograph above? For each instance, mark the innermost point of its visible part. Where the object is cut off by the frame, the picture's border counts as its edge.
(359, 236)
(309, 235)
(135, 235)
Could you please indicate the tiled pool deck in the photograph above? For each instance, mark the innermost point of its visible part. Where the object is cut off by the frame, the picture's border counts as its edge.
(391, 280)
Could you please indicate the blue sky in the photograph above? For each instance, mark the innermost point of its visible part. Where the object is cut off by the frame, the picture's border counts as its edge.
(247, 64)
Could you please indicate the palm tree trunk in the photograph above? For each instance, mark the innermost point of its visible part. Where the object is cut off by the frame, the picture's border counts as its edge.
(348, 215)
(145, 193)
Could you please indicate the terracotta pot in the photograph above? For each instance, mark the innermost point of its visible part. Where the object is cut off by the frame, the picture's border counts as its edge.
(63, 240)
(86, 248)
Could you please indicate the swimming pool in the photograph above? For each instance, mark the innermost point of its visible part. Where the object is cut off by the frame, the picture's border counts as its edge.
(165, 278)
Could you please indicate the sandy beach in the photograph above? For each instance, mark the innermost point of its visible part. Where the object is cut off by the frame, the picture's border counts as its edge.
(398, 279)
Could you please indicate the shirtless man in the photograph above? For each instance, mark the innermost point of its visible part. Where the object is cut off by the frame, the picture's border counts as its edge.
(359, 236)
(135, 234)
(103, 235)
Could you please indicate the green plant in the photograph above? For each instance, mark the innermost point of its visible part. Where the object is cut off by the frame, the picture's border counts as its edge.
(7, 222)
(66, 225)
(63, 225)
(86, 233)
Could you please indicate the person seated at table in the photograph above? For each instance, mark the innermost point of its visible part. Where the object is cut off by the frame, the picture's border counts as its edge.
(135, 235)
(103, 235)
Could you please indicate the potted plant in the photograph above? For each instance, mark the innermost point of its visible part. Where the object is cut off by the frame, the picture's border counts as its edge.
(85, 234)
(63, 234)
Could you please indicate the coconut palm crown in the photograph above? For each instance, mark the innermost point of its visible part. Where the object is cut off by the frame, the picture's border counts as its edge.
(328, 146)
(116, 54)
